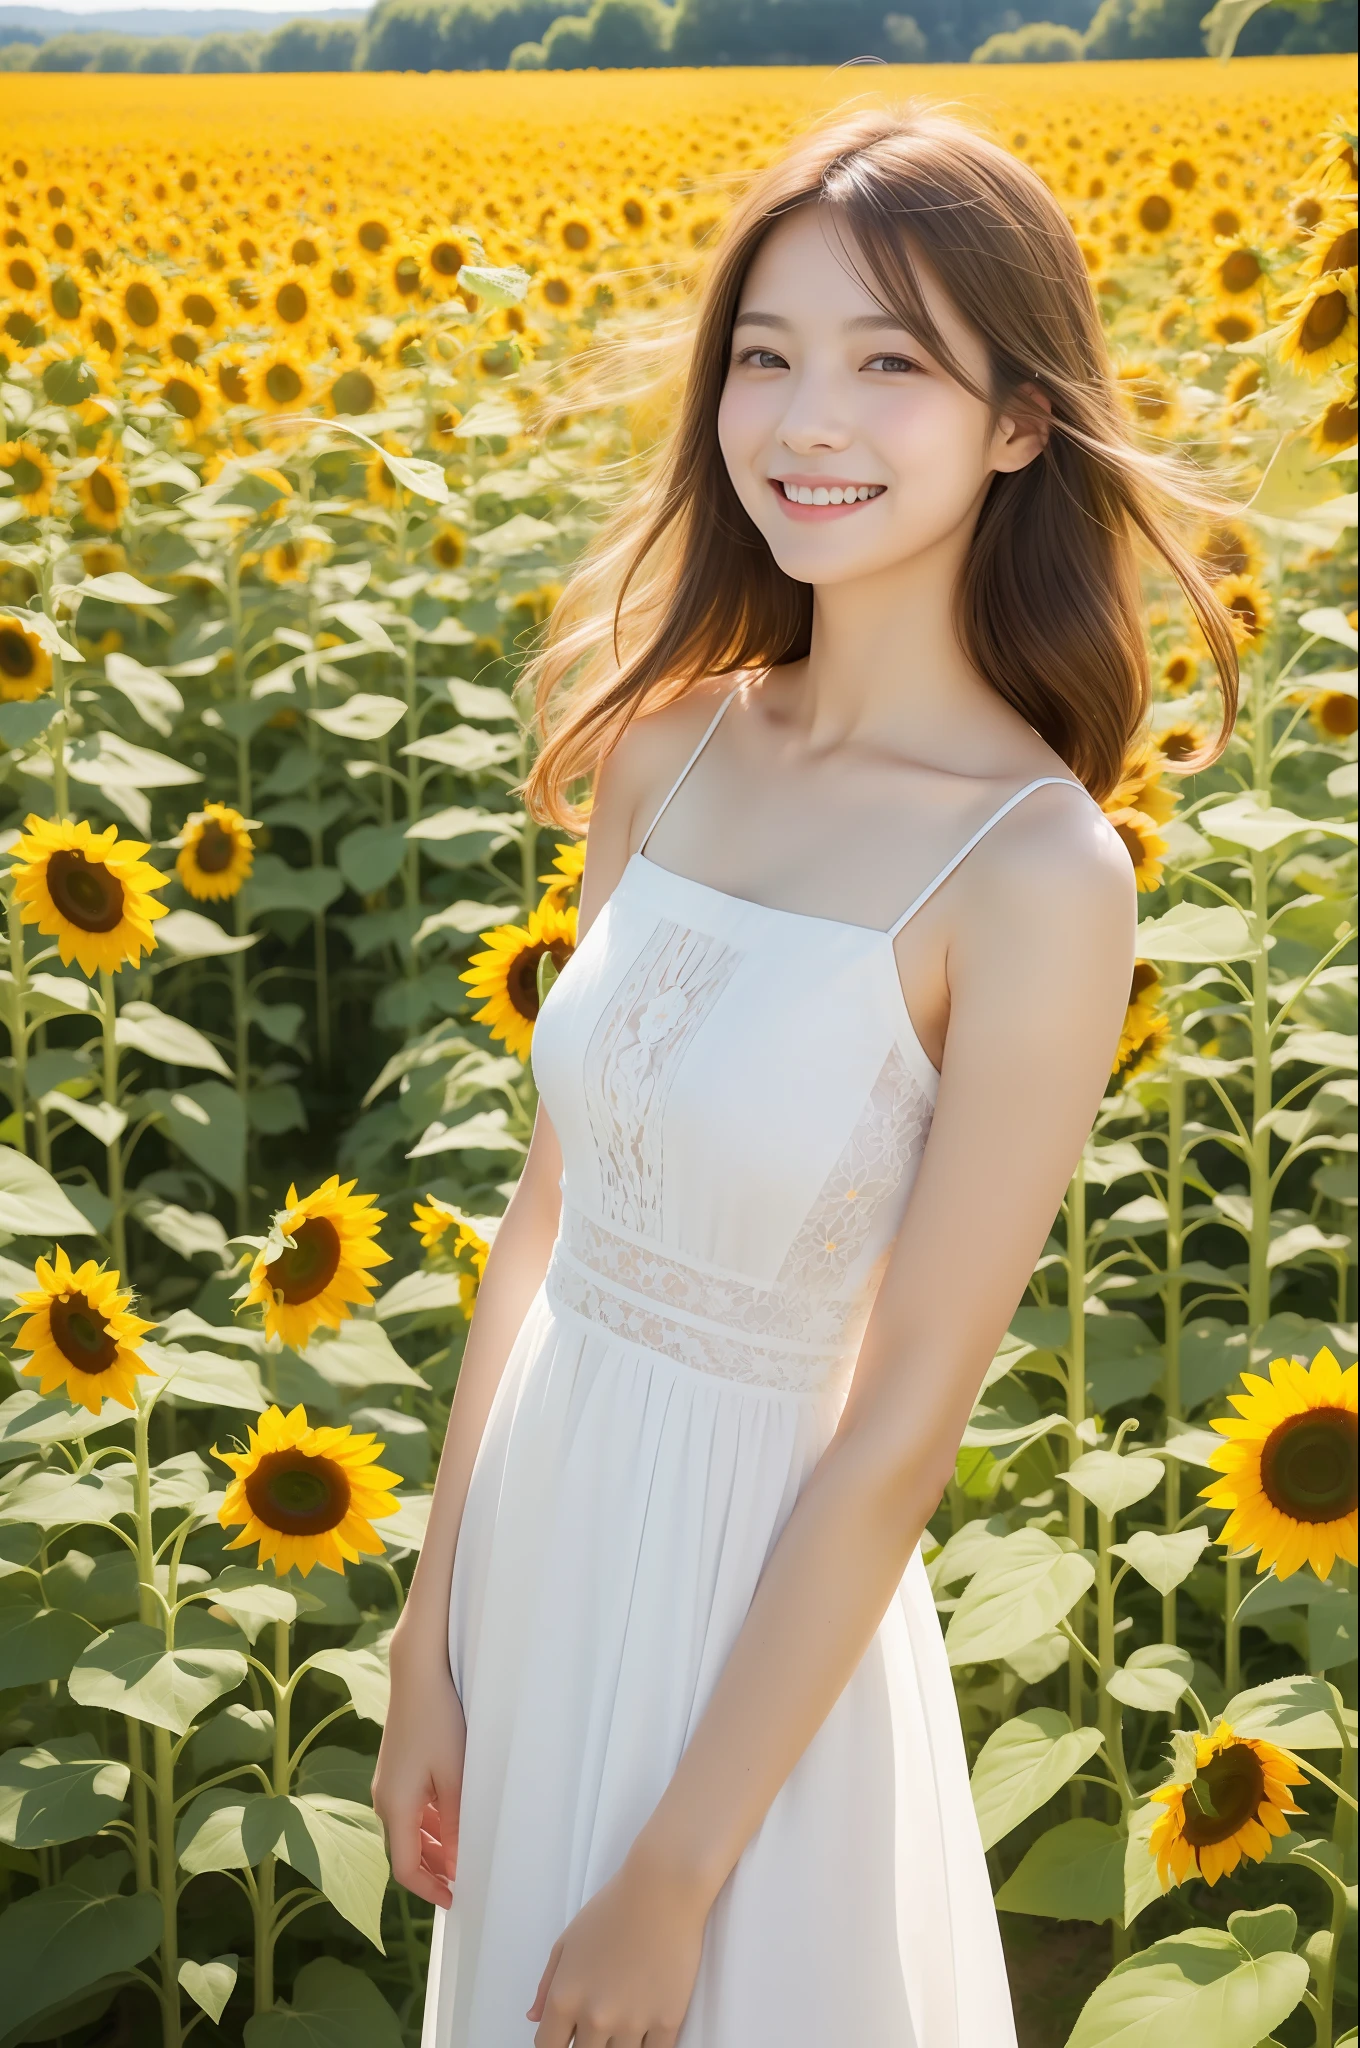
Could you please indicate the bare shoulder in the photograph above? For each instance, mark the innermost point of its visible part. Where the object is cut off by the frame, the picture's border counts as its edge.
(654, 746)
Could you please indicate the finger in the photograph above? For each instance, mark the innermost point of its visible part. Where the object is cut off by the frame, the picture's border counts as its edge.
(536, 2010)
(449, 1799)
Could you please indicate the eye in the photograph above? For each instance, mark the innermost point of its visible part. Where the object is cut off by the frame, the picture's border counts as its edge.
(761, 359)
(894, 364)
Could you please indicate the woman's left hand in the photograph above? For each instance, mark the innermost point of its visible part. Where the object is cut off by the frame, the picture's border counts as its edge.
(622, 1974)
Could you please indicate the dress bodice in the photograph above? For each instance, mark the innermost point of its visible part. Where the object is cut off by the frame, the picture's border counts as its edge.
(742, 1105)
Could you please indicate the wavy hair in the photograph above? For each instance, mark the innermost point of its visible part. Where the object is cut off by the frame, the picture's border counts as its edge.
(680, 586)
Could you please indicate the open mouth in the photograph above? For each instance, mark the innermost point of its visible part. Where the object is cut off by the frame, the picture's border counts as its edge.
(840, 494)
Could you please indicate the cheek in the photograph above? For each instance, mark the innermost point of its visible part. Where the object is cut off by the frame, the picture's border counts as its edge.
(742, 432)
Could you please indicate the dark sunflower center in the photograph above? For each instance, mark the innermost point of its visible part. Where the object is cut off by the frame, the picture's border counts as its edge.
(521, 983)
(17, 658)
(308, 1269)
(373, 236)
(1308, 1466)
(291, 303)
(406, 275)
(231, 382)
(1327, 318)
(185, 346)
(297, 1494)
(1224, 1796)
(1241, 270)
(103, 492)
(557, 291)
(304, 250)
(81, 1334)
(27, 476)
(576, 236)
(1155, 214)
(214, 849)
(66, 298)
(199, 308)
(353, 392)
(22, 275)
(446, 258)
(1341, 254)
(84, 891)
(283, 383)
(342, 283)
(141, 305)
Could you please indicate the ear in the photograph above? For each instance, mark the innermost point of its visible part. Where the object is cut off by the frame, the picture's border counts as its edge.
(1020, 437)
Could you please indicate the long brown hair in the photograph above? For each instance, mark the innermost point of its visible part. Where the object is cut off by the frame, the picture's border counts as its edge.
(680, 585)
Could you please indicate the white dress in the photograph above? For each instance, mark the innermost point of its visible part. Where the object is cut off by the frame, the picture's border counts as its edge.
(742, 1105)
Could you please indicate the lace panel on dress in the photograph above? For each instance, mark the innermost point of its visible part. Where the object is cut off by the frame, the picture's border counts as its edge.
(632, 1058)
(794, 1333)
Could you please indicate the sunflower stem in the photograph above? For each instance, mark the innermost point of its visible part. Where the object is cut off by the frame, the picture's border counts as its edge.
(18, 1027)
(241, 1032)
(266, 1924)
(141, 1821)
(1173, 1299)
(1232, 1649)
(114, 1150)
(1076, 1415)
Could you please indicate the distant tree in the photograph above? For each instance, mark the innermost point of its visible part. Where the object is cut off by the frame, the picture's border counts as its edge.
(17, 56)
(311, 46)
(455, 35)
(65, 53)
(907, 42)
(226, 53)
(1039, 42)
(616, 35)
(524, 57)
(1172, 28)
(166, 53)
(118, 53)
(778, 31)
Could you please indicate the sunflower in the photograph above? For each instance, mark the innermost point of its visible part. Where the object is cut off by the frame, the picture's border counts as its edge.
(505, 976)
(400, 275)
(557, 291)
(1155, 212)
(1149, 394)
(141, 301)
(102, 557)
(1289, 1466)
(442, 254)
(1233, 1806)
(306, 1495)
(278, 380)
(1146, 1031)
(186, 393)
(311, 1269)
(64, 297)
(354, 390)
(303, 252)
(1235, 270)
(371, 235)
(342, 285)
(1337, 427)
(31, 476)
(448, 548)
(25, 664)
(1180, 670)
(1140, 786)
(1332, 245)
(216, 853)
(443, 426)
(104, 495)
(80, 1334)
(204, 307)
(380, 486)
(1320, 326)
(1244, 384)
(1232, 324)
(634, 214)
(1333, 713)
(1146, 847)
(231, 373)
(1227, 548)
(576, 233)
(454, 1242)
(90, 891)
(1181, 741)
(23, 272)
(1250, 604)
(568, 866)
(291, 299)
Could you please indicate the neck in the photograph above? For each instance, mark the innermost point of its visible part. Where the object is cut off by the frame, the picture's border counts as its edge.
(886, 666)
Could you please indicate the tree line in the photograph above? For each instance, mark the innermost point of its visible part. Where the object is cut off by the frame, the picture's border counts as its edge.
(481, 35)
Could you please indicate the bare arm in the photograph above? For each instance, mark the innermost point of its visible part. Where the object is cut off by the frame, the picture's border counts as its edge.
(1038, 999)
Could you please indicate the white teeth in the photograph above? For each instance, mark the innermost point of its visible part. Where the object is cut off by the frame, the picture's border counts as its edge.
(836, 497)
(836, 494)
(821, 496)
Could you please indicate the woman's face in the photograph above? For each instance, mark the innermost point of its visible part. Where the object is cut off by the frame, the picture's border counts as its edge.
(850, 447)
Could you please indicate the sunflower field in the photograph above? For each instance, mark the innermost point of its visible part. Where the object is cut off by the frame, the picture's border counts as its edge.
(287, 490)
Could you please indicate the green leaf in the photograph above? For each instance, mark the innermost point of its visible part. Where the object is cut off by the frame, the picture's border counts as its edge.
(1142, 1884)
(499, 284)
(234, 1735)
(105, 761)
(276, 1108)
(1331, 622)
(60, 1941)
(206, 1380)
(147, 1029)
(251, 1599)
(520, 535)
(119, 588)
(370, 856)
(333, 2006)
(459, 822)
(359, 1354)
(32, 1204)
(58, 1793)
(1023, 1764)
(1022, 1590)
(1272, 1930)
(361, 717)
(486, 1131)
(33, 1419)
(1164, 1561)
(1112, 1482)
(1074, 1872)
(1243, 821)
(1199, 1986)
(273, 885)
(1331, 1630)
(210, 1985)
(1298, 1713)
(343, 1773)
(489, 417)
(128, 1670)
(363, 1673)
(419, 1293)
(207, 1124)
(190, 1232)
(149, 694)
(39, 1643)
(188, 935)
(1154, 1678)
(1191, 932)
(336, 1843)
(58, 1500)
(464, 749)
(20, 723)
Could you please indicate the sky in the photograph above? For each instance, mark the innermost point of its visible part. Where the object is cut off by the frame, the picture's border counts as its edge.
(198, 6)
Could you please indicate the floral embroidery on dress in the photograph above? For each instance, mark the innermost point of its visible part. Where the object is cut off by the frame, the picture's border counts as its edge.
(634, 1054)
(793, 1333)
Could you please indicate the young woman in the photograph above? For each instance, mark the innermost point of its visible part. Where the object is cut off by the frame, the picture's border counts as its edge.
(672, 1740)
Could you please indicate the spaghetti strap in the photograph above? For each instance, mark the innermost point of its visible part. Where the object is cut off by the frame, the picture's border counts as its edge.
(967, 848)
(708, 731)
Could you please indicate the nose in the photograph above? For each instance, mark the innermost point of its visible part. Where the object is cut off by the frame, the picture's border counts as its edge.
(812, 419)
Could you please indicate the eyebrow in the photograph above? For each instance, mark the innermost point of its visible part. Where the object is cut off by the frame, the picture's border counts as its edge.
(863, 322)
